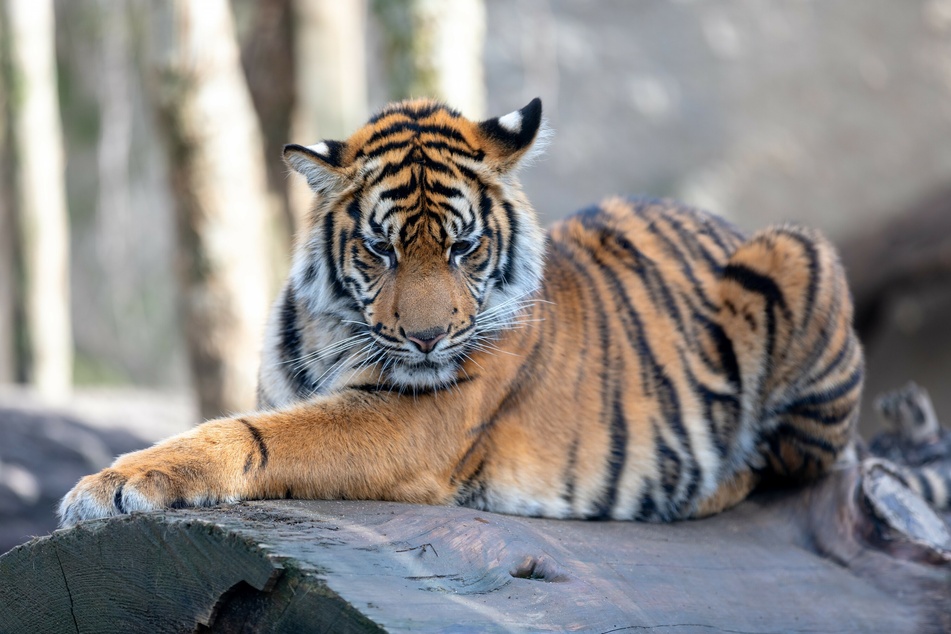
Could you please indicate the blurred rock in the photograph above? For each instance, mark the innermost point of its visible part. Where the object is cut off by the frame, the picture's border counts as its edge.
(44, 451)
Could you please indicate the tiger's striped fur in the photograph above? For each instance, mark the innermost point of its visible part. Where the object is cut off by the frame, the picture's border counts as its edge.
(643, 361)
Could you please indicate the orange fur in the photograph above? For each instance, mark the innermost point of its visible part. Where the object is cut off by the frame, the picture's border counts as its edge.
(646, 361)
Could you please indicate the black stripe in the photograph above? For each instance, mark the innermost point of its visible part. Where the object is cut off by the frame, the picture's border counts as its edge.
(598, 305)
(833, 394)
(789, 431)
(689, 239)
(401, 192)
(384, 148)
(822, 416)
(412, 111)
(259, 441)
(667, 457)
(570, 474)
(310, 274)
(455, 213)
(655, 380)
(846, 349)
(353, 207)
(291, 352)
(594, 220)
(616, 456)
(710, 399)
(755, 282)
(647, 507)
(328, 251)
(775, 450)
(680, 257)
(654, 376)
(729, 364)
(389, 169)
(394, 209)
(417, 129)
(117, 500)
(765, 286)
(720, 231)
(820, 345)
(485, 206)
(471, 492)
(810, 248)
(506, 274)
(475, 155)
(443, 190)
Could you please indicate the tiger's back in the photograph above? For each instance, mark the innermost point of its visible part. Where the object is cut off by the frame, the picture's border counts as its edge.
(636, 403)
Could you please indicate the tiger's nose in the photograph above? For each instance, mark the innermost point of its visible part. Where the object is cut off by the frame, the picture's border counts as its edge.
(426, 340)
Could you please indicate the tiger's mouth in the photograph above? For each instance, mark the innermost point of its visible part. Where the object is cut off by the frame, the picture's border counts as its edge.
(426, 373)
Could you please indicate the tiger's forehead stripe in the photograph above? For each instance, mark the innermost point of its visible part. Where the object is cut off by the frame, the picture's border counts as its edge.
(429, 125)
(418, 177)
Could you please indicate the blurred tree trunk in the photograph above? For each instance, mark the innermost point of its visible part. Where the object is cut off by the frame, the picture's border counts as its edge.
(266, 34)
(8, 353)
(330, 78)
(434, 48)
(216, 171)
(115, 223)
(39, 194)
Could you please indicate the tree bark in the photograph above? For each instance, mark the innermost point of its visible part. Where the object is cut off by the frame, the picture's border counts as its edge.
(330, 79)
(781, 563)
(39, 194)
(215, 164)
(434, 49)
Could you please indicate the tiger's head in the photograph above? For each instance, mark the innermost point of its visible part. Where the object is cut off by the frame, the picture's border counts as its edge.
(420, 237)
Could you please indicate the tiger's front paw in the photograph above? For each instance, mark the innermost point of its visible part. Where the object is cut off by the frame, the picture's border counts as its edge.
(120, 489)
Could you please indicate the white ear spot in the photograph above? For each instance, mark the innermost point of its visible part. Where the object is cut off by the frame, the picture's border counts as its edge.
(322, 148)
(512, 122)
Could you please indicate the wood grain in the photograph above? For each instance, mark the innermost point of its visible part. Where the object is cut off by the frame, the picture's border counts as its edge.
(370, 566)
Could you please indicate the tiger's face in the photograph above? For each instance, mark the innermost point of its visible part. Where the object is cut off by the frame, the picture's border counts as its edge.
(420, 238)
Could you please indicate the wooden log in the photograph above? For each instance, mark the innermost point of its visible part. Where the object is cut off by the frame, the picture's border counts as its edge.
(784, 562)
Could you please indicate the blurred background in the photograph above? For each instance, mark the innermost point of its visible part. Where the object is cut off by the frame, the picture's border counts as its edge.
(146, 217)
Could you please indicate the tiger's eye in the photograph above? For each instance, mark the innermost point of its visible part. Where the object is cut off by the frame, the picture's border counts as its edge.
(382, 249)
(463, 248)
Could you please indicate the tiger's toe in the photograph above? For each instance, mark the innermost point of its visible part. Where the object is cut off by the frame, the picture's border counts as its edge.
(94, 497)
(111, 492)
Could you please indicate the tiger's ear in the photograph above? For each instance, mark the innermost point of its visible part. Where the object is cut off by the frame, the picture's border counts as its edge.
(517, 137)
(321, 164)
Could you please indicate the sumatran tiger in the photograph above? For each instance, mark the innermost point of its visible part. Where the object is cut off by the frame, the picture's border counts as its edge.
(642, 360)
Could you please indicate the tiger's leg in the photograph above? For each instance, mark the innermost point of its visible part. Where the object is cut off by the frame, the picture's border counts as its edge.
(786, 307)
(352, 445)
(730, 493)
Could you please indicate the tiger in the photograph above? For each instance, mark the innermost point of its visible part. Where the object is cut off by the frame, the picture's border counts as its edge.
(642, 360)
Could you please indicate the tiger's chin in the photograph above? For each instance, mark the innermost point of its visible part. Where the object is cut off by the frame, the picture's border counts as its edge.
(424, 375)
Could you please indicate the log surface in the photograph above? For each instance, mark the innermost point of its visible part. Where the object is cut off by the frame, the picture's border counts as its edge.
(325, 566)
